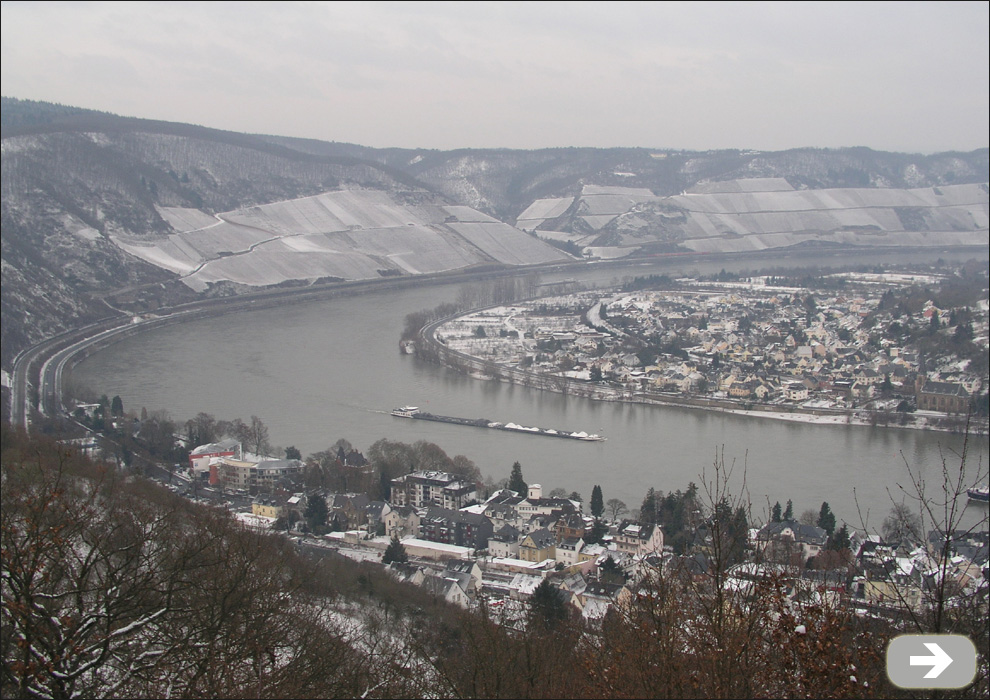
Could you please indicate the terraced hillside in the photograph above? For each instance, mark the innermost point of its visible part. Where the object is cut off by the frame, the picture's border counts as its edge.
(347, 235)
(103, 215)
(505, 183)
(760, 214)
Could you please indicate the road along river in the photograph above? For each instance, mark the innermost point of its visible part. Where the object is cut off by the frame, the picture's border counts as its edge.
(320, 370)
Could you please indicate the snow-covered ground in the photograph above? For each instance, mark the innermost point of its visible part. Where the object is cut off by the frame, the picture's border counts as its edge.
(350, 234)
(255, 522)
(763, 213)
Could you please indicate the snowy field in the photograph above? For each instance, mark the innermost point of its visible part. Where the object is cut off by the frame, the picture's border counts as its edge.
(775, 215)
(183, 219)
(356, 234)
(507, 244)
(363, 234)
(541, 210)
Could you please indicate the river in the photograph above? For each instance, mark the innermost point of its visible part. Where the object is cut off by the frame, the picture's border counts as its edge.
(317, 371)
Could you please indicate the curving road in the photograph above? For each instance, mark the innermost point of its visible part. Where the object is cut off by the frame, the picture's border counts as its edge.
(36, 376)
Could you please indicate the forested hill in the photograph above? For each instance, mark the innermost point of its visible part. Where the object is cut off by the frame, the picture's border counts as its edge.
(104, 214)
(74, 179)
(504, 182)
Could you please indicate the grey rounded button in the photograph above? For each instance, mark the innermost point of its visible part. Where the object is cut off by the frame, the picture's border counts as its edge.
(931, 661)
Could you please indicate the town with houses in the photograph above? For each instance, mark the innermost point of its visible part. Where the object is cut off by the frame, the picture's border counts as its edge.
(438, 530)
(857, 343)
(869, 347)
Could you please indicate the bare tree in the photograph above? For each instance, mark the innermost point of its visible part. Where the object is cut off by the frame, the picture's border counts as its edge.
(113, 587)
(465, 468)
(948, 597)
(84, 595)
(712, 634)
(254, 435)
(902, 525)
(616, 508)
(202, 430)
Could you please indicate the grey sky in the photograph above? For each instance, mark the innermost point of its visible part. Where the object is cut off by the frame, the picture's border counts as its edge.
(891, 76)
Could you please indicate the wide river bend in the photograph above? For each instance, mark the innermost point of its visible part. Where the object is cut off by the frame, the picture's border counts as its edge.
(317, 371)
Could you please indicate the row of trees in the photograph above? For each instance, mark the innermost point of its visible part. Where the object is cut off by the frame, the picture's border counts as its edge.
(825, 518)
(470, 296)
(158, 432)
(205, 429)
(343, 469)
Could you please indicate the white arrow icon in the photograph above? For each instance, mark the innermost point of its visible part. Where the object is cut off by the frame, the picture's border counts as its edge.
(939, 660)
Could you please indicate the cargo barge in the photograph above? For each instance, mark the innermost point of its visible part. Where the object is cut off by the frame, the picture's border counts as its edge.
(415, 413)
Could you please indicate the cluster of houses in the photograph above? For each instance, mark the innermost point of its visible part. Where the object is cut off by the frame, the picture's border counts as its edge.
(746, 343)
(501, 548)
(512, 542)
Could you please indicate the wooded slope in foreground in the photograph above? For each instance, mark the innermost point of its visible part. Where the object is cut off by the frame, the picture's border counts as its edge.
(113, 587)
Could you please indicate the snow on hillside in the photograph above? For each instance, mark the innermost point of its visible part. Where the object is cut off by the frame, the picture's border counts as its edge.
(541, 210)
(763, 213)
(354, 234)
(507, 244)
(183, 219)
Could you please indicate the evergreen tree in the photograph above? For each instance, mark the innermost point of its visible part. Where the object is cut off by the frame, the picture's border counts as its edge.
(739, 535)
(610, 572)
(395, 552)
(886, 388)
(789, 510)
(547, 607)
(775, 514)
(963, 333)
(597, 502)
(840, 540)
(826, 519)
(117, 407)
(316, 512)
(648, 511)
(516, 482)
(598, 530)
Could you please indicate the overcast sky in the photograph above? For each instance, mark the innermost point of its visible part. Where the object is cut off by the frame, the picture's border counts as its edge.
(891, 76)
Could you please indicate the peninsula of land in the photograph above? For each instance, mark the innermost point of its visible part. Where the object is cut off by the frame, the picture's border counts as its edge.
(905, 348)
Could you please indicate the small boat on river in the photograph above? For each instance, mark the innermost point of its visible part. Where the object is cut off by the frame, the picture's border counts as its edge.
(981, 494)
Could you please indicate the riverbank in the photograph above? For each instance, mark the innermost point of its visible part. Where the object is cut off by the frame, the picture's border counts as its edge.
(429, 347)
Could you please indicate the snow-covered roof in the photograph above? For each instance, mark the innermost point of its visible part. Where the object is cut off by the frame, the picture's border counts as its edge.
(437, 546)
(215, 448)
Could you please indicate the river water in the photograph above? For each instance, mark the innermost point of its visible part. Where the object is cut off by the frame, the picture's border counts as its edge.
(317, 371)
